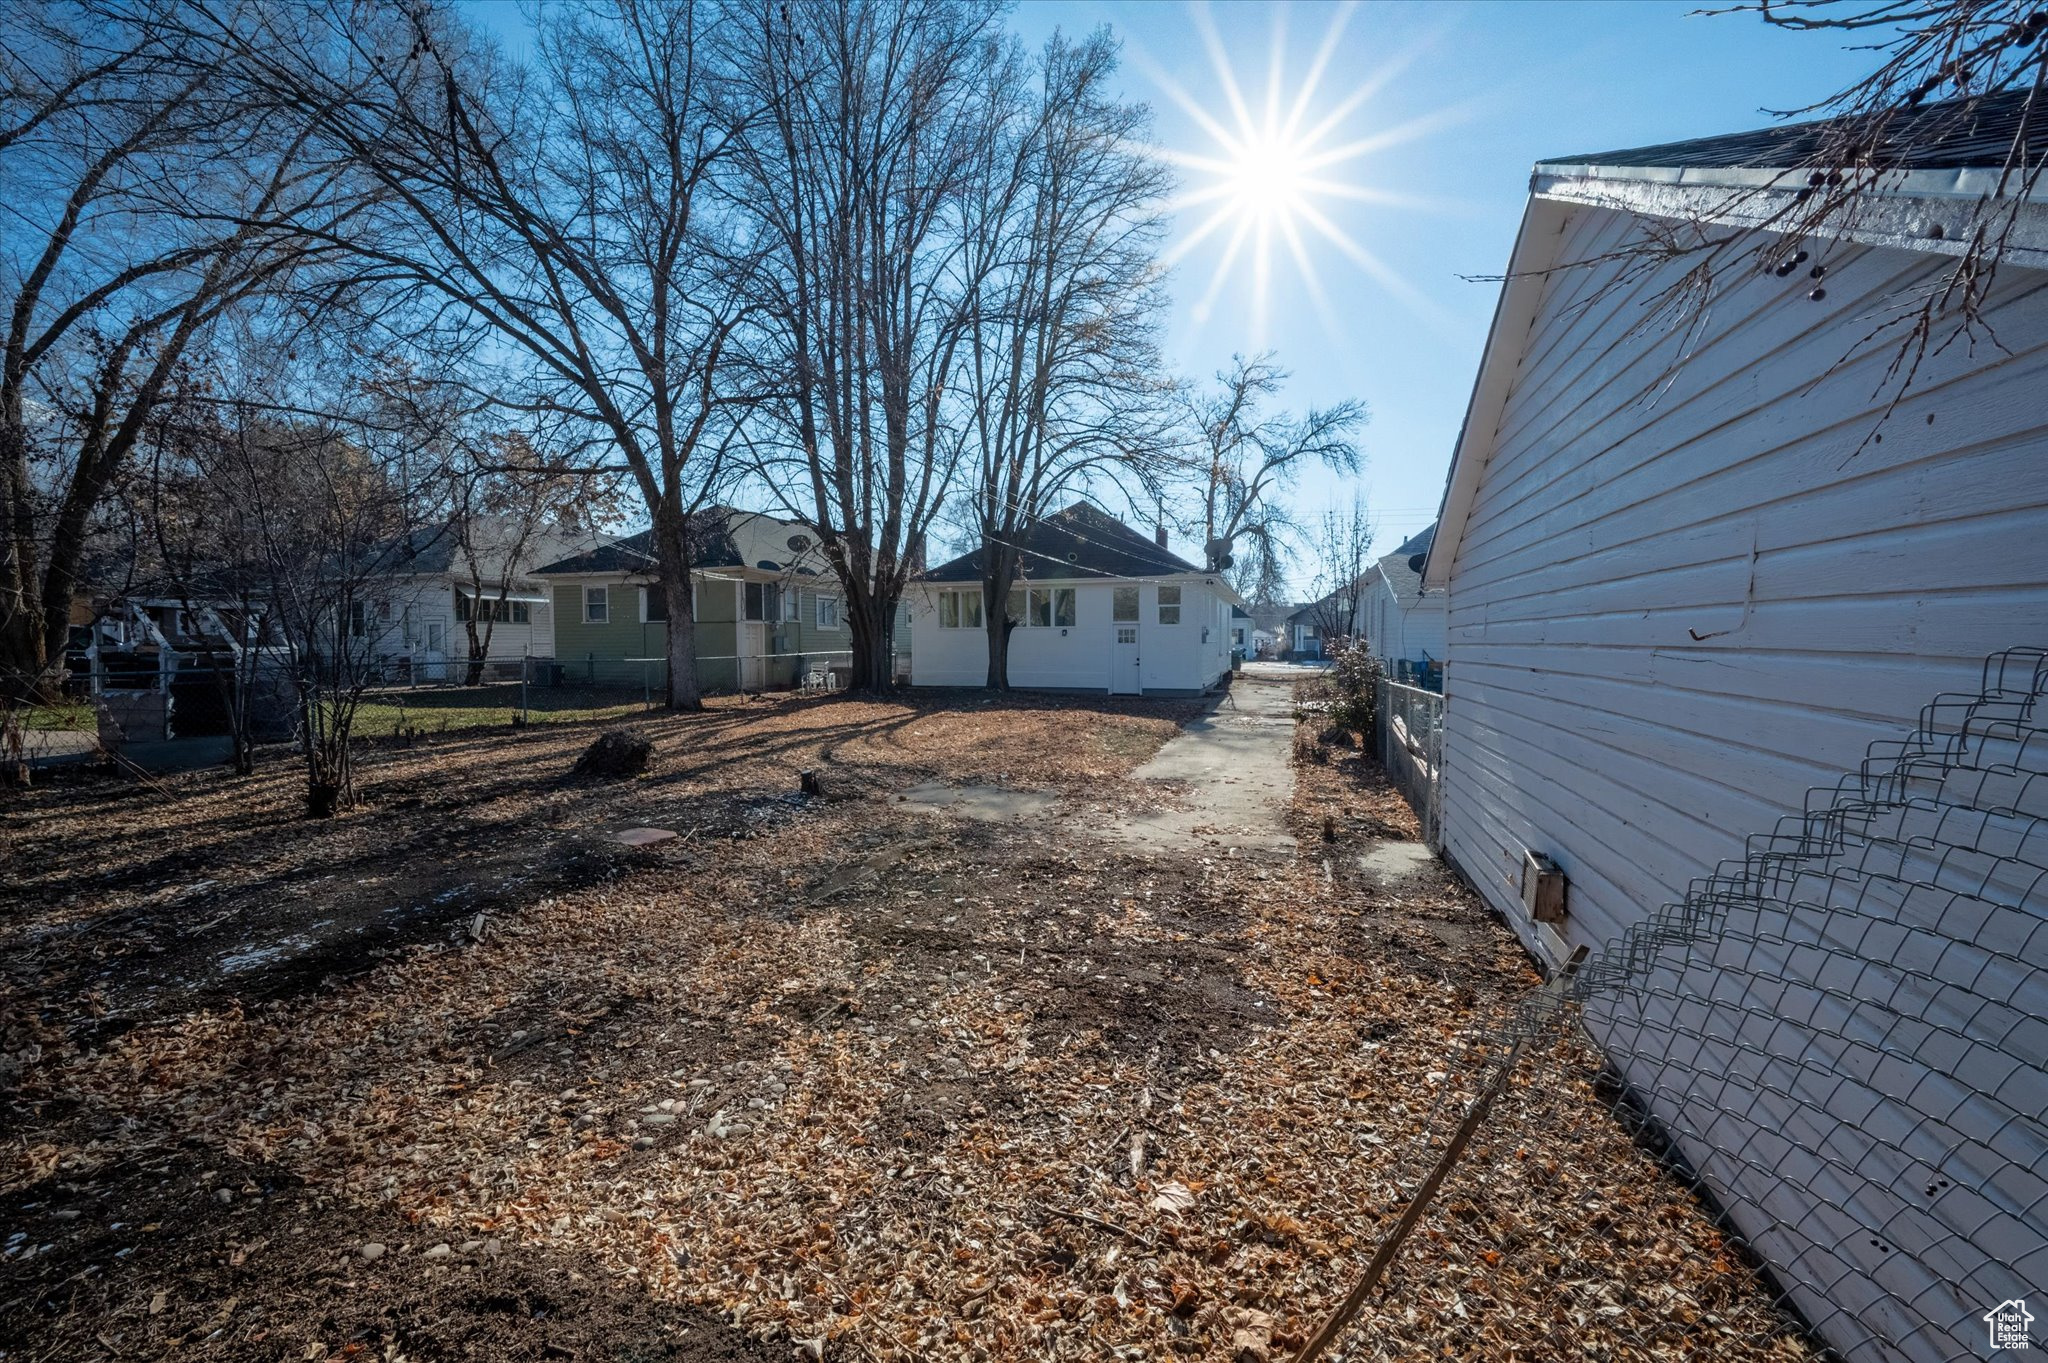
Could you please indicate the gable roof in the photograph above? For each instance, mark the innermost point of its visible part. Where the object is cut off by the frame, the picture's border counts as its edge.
(1081, 541)
(726, 538)
(435, 549)
(1402, 569)
(1931, 199)
(1953, 134)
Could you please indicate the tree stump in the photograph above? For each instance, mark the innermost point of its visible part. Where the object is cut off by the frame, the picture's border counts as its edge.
(614, 755)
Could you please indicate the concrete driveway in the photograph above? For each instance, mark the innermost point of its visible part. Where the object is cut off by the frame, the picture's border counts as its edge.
(1234, 768)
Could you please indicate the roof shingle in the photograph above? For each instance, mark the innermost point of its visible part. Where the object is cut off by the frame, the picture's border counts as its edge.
(1951, 135)
(1081, 541)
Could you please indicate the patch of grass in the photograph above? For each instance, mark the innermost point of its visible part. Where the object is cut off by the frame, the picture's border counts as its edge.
(480, 707)
(72, 715)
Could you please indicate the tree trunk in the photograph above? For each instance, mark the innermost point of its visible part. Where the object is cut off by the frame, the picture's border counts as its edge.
(672, 557)
(872, 621)
(995, 615)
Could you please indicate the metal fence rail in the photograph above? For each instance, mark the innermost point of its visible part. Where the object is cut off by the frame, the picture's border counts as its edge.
(1410, 738)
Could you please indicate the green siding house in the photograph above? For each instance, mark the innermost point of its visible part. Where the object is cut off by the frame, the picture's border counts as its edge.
(767, 608)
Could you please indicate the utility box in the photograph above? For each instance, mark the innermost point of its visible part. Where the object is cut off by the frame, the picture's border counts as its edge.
(1543, 888)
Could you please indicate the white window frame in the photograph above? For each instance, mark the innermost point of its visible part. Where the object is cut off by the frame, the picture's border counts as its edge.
(960, 603)
(604, 610)
(1174, 605)
(823, 603)
(1116, 600)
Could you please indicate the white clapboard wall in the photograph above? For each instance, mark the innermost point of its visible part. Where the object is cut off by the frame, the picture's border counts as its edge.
(1690, 591)
(1684, 596)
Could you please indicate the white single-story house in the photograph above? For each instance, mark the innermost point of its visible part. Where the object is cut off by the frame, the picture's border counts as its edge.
(414, 617)
(1245, 634)
(1301, 633)
(1098, 607)
(1695, 573)
(1403, 625)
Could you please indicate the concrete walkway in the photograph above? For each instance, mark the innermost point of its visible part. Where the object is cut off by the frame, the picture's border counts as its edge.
(1223, 782)
(1236, 769)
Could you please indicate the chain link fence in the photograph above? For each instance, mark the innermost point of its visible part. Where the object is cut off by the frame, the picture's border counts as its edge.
(1838, 1045)
(1410, 739)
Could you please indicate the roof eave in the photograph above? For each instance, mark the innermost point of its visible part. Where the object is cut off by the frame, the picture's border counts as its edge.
(1535, 251)
(1937, 211)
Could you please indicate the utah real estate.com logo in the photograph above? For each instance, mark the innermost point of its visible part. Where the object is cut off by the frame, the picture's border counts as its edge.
(2009, 1321)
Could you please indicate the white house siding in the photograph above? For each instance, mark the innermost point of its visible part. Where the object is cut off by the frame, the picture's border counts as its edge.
(1190, 656)
(1687, 595)
(401, 612)
(1673, 614)
(1411, 630)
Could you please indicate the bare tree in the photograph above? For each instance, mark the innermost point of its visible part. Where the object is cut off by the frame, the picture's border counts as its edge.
(1063, 366)
(151, 195)
(547, 216)
(1245, 455)
(872, 117)
(507, 502)
(1343, 559)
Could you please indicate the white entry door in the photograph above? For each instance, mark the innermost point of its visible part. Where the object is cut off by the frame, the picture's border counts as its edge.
(1123, 661)
(753, 643)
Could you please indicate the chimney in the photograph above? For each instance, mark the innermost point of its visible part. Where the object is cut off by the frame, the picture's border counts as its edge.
(1159, 534)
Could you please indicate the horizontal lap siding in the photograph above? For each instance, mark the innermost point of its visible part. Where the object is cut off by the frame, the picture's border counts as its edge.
(1684, 596)
(1687, 594)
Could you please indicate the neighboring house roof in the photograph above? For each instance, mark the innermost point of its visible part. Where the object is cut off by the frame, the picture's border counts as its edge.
(727, 538)
(1081, 541)
(433, 550)
(1402, 569)
(1945, 179)
(1958, 133)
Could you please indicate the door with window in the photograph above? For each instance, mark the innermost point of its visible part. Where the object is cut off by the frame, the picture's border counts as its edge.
(1123, 662)
(1123, 649)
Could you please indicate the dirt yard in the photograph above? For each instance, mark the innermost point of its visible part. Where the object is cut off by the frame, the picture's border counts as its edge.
(464, 1076)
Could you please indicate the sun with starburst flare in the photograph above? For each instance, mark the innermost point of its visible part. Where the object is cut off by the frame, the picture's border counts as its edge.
(1270, 178)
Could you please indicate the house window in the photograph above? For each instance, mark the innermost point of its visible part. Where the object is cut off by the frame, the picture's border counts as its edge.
(957, 610)
(1038, 610)
(653, 606)
(358, 618)
(1063, 606)
(790, 612)
(1169, 605)
(522, 614)
(1014, 607)
(1123, 606)
(828, 612)
(597, 605)
(468, 607)
(764, 601)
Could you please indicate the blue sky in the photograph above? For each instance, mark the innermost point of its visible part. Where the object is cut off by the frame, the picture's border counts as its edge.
(1462, 99)
(1485, 90)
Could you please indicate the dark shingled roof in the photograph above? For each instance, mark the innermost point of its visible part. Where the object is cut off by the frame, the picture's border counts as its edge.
(1080, 541)
(1951, 135)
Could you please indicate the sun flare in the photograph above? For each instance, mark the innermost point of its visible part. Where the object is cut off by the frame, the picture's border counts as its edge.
(1267, 178)
(1271, 179)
